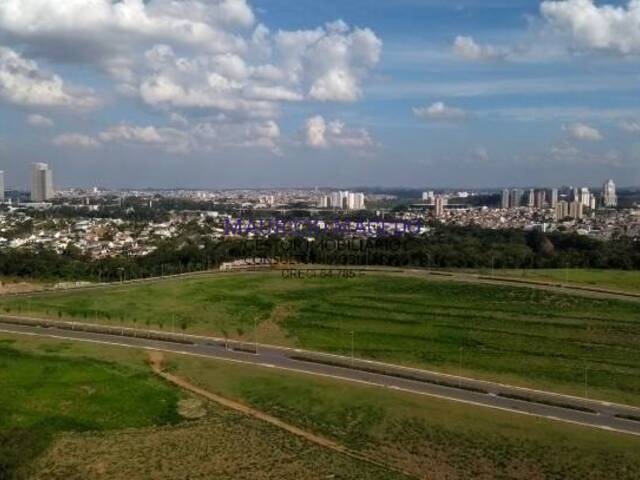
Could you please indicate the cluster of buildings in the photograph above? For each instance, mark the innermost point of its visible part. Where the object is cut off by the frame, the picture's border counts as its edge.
(41, 183)
(572, 206)
(343, 200)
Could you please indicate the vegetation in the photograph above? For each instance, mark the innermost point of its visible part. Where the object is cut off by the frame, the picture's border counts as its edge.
(99, 414)
(444, 247)
(422, 434)
(44, 393)
(623, 280)
(523, 336)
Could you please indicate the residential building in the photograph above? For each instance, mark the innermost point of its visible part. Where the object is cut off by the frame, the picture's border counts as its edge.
(609, 196)
(41, 183)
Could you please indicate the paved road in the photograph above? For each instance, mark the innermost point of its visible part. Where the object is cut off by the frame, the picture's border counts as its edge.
(595, 414)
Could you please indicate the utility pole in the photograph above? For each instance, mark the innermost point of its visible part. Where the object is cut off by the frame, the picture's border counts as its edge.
(586, 380)
(460, 378)
(255, 333)
(352, 347)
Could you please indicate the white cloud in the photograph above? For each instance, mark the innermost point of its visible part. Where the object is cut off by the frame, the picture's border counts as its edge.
(197, 54)
(438, 111)
(203, 136)
(36, 120)
(169, 139)
(467, 48)
(630, 126)
(318, 133)
(581, 131)
(196, 60)
(76, 140)
(606, 27)
(23, 83)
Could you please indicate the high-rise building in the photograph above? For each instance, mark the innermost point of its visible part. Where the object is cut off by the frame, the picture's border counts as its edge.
(540, 199)
(1, 186)
(428, 196)
(584, 197)
(576, 210)
(41, 183)
(554, 197)
(609, 196)
(515, 198)
(532, 197)
(440, 203)
(562, 210)
(505, 199)
(355, 201)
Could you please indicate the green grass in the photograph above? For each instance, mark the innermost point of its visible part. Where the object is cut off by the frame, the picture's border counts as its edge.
(424, 434)
(43, 392)
(623, 280)
(523, 336)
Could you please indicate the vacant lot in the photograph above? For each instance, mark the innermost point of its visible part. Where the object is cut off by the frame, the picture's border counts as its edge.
(518, 335)
(43, 393)
(623, 280)
(78, 411)
(432, 438)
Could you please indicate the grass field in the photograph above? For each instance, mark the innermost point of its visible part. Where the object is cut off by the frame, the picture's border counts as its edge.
(43, 393)
(430, 437)
(78, 411)
(623, 280)
(518, 335)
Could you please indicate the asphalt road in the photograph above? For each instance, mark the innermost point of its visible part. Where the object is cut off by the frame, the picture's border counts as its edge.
(589, 413)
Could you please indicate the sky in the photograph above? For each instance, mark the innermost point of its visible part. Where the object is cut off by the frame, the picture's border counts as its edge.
(333, 93)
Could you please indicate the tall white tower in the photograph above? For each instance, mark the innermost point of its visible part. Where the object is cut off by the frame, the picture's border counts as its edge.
(609, 196)
(1, 185)
(41, 183)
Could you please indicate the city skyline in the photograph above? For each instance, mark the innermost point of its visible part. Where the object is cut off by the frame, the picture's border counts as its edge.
(263, 93)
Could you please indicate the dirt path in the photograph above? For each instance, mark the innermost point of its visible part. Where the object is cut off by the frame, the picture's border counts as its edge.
(156, 360)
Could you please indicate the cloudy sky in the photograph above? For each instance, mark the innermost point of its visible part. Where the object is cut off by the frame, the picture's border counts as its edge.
(257, 93)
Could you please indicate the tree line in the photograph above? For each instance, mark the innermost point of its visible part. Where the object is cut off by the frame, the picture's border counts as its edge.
(444, 247)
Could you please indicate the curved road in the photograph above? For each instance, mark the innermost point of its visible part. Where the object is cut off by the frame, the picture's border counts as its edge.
(590, 413)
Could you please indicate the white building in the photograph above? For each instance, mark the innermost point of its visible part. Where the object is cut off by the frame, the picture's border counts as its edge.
(355, 201)
(1, 186)
(609, 196)
(41, 183)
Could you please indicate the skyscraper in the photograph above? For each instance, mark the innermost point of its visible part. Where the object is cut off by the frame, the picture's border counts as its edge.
(440, 203)
(531, 199)
(1, 186)
(41, 183)
(562, 210)
(505, 199)
(540, 198)
(585, 196)
(554, 197)
(515, 198)
(609, 196)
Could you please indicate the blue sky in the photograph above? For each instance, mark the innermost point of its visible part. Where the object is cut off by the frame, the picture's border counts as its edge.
(228, 93)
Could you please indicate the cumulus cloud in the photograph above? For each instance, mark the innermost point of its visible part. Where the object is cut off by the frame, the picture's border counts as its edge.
(202, 136)
(76, 140)
(630, 126)
(438, 111)
(599, 27)
(467, 48)
(581, 131)
(23, 83)
(197, 54)
(170, 139)
(198, 61)
(36, 120)
(318, 133)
